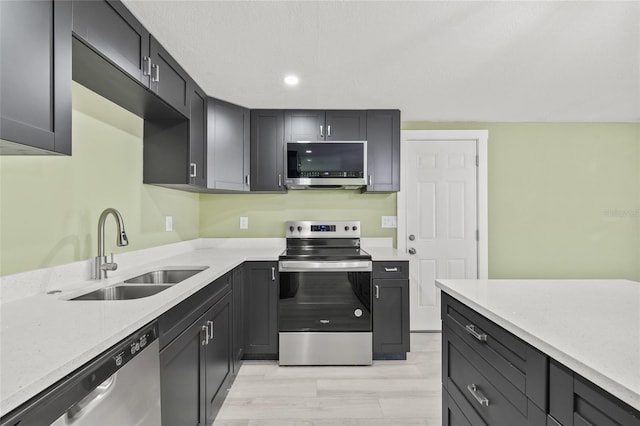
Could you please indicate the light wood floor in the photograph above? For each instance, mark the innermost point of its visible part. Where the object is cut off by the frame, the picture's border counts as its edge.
(387, 393)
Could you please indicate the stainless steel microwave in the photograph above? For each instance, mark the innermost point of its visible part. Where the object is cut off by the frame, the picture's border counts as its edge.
(335, 164)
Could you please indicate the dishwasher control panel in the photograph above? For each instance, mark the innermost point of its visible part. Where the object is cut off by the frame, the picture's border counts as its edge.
(121, 354)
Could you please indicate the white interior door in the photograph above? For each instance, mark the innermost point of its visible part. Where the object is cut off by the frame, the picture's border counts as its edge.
(441, 221)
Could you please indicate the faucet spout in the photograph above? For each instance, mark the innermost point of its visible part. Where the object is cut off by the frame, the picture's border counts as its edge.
(102, 266)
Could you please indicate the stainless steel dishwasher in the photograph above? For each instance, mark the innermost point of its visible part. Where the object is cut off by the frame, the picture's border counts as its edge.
(119, 387)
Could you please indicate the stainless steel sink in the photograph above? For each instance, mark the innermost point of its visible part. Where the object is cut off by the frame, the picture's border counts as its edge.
(123, 292)
(164, 276)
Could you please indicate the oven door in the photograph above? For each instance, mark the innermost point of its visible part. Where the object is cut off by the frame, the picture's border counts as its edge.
(325, 301)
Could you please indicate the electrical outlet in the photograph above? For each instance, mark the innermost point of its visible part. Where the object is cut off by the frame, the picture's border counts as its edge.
(389, 221)
(244, 222)
(168, 223)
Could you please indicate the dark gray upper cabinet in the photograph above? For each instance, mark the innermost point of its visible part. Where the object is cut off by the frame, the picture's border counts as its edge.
(261, 309)
(168, 80)
(35, 77)
(227, 146)
(383, 151)
(113, 33)
(197, 136)
(317, 125)
(390, 310)
(109, 28)
(267, 150)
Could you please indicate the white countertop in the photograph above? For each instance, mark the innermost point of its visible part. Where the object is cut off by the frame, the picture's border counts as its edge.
(590, 326)
(45, 336)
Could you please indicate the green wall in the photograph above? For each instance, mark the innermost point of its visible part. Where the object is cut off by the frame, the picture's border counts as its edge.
(49, 205)
(564, 198)
(219, 214)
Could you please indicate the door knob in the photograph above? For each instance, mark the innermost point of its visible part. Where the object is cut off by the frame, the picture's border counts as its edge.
(412, 251)
(412, 237)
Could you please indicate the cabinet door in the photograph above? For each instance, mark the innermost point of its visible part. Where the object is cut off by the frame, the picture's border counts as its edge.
(197, 136)
(346, 125)
(261, 308)
(168, 80)
(217, 355)
(238, 317)
(35, 77)
(109, 28)
(383, 151)
(307, 125)
(390, 316)
(267, 150)
(227, 146)
(181, 376)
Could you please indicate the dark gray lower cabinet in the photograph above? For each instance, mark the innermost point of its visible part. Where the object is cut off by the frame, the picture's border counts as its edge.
(35, 77)
(261, 310)
(196, 367)
(574, 401)
(491, 377)
(390, 310)
(238, 317)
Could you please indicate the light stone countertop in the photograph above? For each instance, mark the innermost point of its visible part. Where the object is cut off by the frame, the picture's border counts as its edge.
(45, 336)
(590, 326)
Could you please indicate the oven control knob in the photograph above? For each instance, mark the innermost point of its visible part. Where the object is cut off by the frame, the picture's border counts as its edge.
(357, 313)
(299, 228)
(346, 228)
(355, 228)
(291, 228)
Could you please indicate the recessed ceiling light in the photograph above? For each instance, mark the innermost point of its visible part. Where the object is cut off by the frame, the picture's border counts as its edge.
(291, 80)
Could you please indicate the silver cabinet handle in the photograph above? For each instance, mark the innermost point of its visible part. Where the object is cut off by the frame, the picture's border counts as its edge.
(370, 180)
(247, 180)
(329, 130)
(155, 76)
(205, 329)
(471, 329)
(482, 400)
(146, 65)
(279, 181)
(394, 269)
(210, 324)
(321, 131)
(194, 170)
(377, 291)
(273, 273)
(412, 251)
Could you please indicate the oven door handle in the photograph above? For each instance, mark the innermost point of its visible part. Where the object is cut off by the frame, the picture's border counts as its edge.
(325, 266)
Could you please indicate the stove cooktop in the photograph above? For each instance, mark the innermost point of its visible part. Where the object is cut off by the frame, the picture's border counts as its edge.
(326, 253)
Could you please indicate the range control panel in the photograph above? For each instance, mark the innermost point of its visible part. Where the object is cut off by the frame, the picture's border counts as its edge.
(322, 229)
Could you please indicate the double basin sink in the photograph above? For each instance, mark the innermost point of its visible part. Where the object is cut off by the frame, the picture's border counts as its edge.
(144, 285)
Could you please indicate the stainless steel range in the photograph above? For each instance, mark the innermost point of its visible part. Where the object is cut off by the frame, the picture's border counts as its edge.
(324, 313)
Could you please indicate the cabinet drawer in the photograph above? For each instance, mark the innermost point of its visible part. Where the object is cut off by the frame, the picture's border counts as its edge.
(513, 360)
(393, 270)
(493, 397)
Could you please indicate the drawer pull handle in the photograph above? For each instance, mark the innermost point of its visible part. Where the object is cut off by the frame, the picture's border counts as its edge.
(482, 400)
(471, 329)
(390, 269)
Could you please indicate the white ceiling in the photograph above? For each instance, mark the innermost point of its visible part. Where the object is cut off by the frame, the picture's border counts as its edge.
(435, 61)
